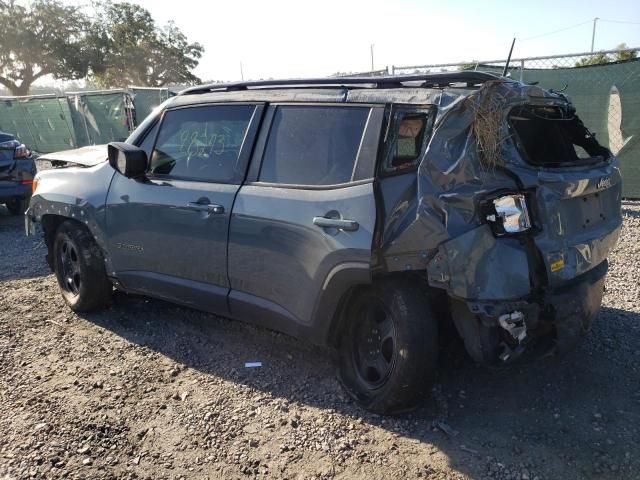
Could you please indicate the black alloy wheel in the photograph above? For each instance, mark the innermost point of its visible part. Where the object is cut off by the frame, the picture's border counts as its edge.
(388, 345)
(69, 262)
(374, 350)
(80, 268)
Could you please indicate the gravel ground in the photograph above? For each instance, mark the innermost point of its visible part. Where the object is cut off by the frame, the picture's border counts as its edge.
(150, 390)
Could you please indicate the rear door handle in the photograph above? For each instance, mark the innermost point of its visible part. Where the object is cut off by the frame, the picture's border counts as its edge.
(346, 225)
(204, 207)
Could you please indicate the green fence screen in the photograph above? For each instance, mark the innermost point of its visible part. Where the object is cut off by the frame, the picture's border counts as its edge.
(101, 117)
(146, 99)
(607, 98)
(43, 123)
(49, 123)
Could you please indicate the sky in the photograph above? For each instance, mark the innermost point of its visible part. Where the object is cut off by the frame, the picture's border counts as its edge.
(293, 38)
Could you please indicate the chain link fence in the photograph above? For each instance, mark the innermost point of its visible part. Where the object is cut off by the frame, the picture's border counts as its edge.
(604, 86)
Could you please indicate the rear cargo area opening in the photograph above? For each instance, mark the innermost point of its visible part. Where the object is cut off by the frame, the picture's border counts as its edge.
(554, 136)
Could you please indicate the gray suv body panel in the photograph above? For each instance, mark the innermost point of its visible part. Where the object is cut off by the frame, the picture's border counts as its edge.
(280, 260)
(161, 245)
(158, 227)
(78, 194)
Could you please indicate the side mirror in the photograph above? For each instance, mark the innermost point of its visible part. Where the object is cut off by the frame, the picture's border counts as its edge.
(127, 159)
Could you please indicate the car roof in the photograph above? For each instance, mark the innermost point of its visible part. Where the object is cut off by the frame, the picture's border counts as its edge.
(414, 89)
(442, 79)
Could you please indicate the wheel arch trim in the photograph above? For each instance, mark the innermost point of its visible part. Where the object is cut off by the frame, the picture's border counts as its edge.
(338, 286)
(52, 214)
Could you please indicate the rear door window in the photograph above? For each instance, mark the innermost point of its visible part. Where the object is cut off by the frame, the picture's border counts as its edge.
(201, 143)
(313, 145)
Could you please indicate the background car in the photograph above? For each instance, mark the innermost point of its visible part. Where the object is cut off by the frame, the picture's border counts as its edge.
(17, 169)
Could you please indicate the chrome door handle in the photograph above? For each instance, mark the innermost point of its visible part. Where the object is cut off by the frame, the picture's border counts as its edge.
(203, 207)
(346, 225)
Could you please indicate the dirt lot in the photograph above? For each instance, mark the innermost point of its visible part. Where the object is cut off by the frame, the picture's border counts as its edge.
(151, 390)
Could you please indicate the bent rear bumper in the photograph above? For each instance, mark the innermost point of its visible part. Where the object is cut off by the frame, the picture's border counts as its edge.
(505, 330)
(576, 305)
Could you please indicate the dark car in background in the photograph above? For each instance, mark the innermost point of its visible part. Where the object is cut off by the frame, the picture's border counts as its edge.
(17, 169)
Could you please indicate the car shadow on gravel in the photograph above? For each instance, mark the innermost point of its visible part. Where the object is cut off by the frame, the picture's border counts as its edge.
(475, 414)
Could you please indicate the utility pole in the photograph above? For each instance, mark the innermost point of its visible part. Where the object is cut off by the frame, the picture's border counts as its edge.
(241, 72)
(593, 34)
(371, 47)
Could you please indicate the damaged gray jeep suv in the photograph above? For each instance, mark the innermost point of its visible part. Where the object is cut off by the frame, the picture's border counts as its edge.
(361, 213)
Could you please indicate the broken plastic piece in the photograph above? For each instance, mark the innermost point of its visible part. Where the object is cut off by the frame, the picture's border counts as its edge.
(512, 210)
(514, 324)
(252, 364)
(509, 354)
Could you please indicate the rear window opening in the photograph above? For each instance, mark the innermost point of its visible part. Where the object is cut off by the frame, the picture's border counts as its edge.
(554, 136)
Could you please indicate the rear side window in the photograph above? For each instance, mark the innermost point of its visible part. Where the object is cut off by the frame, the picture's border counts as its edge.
(313, 145)
(201, 143)
(408, 136)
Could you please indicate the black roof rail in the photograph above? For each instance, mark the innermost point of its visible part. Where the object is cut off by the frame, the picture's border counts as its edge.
(429, 80)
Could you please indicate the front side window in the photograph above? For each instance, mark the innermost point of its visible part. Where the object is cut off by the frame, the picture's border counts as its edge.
(313, 145)
(201, 143)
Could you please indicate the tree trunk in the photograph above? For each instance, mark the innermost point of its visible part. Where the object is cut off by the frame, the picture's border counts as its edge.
(21, 90)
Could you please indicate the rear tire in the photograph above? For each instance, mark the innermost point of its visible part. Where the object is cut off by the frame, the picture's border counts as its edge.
(17, 205)
(389, 346)
(79, 267)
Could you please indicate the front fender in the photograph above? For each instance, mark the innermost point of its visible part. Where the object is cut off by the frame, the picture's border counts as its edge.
(75, 193)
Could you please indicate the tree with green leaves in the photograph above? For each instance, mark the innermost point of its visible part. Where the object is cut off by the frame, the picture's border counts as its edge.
(135, 51)
(624, 53)
(45, 37)
(120, 45)
(600, 58)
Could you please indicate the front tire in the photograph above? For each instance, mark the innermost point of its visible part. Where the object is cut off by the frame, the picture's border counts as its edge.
(79, 268)
(389, 346)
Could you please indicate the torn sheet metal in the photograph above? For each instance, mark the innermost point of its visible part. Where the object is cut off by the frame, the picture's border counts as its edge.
(514, 324)
(437, 218)
(477, 265)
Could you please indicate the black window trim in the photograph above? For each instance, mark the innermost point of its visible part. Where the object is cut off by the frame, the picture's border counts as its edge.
(149, 131)
(142, 135)
(265, 132)
(395, 111)
(245, 149)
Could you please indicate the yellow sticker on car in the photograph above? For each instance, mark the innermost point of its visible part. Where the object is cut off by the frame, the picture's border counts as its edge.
(557, 265)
